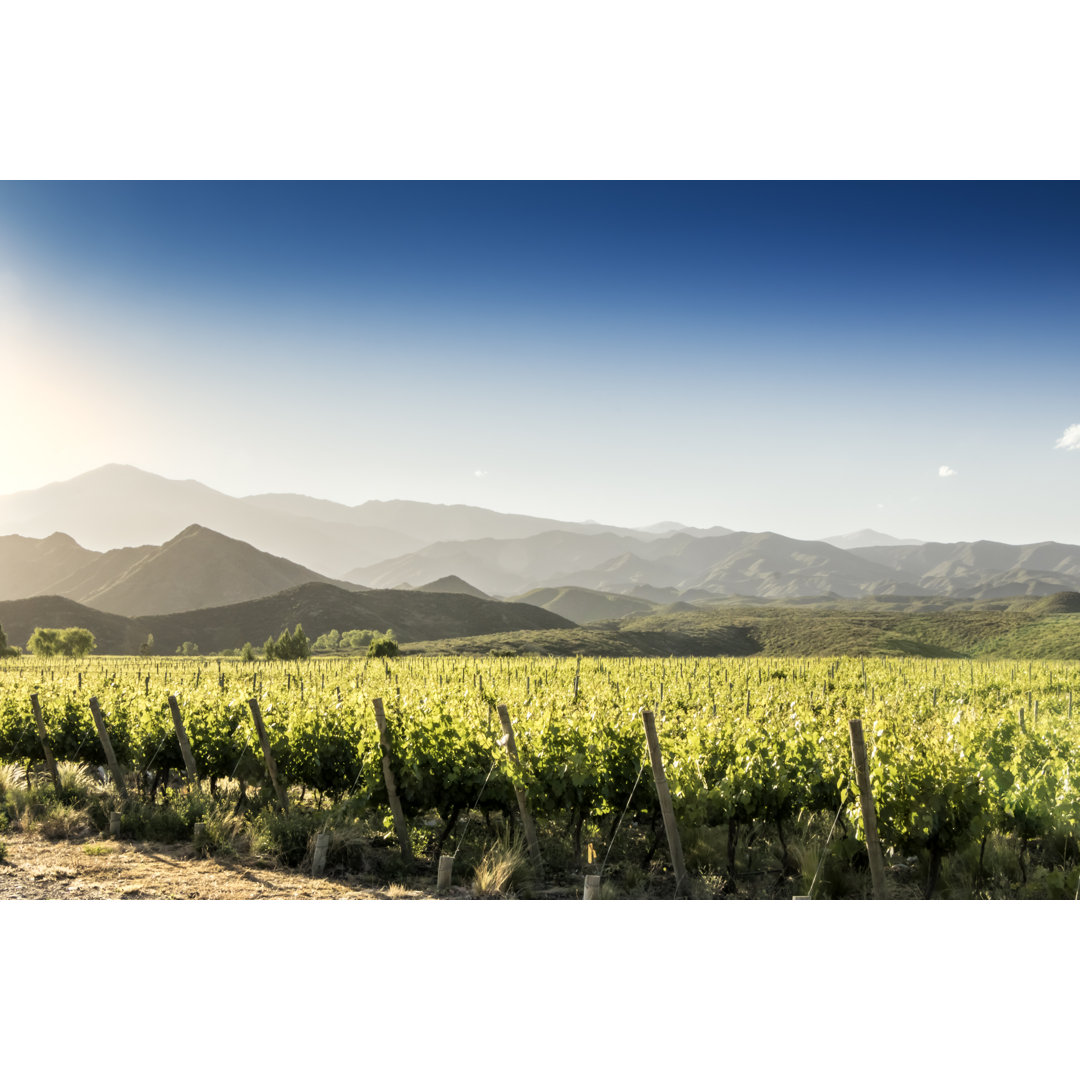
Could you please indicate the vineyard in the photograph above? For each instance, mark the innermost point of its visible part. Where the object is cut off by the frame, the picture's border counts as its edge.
(970, 766)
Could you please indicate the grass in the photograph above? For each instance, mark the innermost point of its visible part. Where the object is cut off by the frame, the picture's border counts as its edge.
(285, 836)
(77, 781)
(504, 870)
(98, 849)
(15, 795)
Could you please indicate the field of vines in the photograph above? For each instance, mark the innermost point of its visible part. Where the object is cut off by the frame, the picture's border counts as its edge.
(970, 763)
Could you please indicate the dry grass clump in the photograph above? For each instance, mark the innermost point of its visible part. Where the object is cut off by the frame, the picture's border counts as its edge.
(224, 832)
(65, 823)
(347, 848)
(78, 781)
(15, 796)
(12, 776)
(807, 856)
(503, 871)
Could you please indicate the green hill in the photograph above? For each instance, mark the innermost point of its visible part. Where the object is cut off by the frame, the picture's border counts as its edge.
(1024, 628)
(319, 607)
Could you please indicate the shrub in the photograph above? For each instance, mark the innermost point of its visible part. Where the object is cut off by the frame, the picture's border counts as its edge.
(385, 646)
(60, 822)
(284, 836)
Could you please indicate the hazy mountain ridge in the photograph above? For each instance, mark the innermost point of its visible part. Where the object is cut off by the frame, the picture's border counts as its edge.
(756, 564)
(586, 605)
(119, 506)
(427, 523)
(868, 538)
(501, 567)
(33, 567)
(763, 565)
(198, 568)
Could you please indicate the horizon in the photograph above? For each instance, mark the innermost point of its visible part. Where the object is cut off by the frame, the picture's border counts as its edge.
(806, 358)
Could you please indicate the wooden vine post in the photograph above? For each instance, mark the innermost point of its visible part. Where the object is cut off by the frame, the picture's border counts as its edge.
(866, 804)
(671, 826)
(107, 746)
(521, 792)
(185, 746)
(268, 757)
(446, 872)
(400, 826)
(318, 858)
(44, 737)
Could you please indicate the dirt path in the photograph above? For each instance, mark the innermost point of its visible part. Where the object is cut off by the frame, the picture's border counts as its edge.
(40, 869)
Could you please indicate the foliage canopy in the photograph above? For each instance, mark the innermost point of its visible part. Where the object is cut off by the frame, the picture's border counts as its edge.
(71, 641)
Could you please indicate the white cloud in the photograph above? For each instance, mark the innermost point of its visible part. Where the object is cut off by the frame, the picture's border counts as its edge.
(946, 471)
(480, 473)
(1071, 439)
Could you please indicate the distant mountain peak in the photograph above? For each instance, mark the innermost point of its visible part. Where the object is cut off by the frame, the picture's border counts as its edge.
(663, 527)
(451, 583)
(868, 538)
(60, 538)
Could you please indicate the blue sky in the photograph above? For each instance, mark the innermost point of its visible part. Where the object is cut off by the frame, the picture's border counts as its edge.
(801, 357)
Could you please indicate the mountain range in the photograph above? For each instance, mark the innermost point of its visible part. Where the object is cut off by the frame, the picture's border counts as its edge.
(119, 506)
(224, 550)
(198, 568)
(765, 565)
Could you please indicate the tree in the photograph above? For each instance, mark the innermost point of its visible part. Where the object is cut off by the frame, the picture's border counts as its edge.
(189, 648)
(294, 646)
(328, 641)
(5, 648)
(357, 639)
(75, 641)
(386, 645)
(71, 641)
(44, 641)
(147, 647)
(247, 652)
